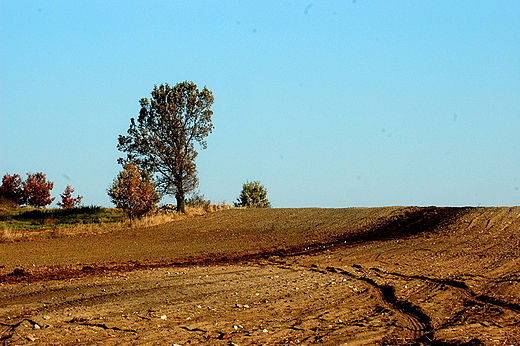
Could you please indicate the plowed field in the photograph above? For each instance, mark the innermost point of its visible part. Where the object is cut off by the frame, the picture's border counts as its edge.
(356, 276)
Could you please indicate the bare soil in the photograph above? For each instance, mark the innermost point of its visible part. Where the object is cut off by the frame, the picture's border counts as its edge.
(356, 276)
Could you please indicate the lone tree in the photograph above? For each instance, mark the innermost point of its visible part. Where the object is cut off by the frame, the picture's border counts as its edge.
(162, 139)
(67, 201)
(253, 195)
(133, 191)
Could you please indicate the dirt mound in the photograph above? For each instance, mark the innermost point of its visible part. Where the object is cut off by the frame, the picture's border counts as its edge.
(357, 276)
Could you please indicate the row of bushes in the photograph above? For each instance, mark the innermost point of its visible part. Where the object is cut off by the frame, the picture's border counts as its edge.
(34, 191)
(135, 193)
(132, 191)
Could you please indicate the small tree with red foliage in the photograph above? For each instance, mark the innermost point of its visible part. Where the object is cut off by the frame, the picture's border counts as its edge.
(37, 190)
(134, 192)
(67, 201)
(12, 189)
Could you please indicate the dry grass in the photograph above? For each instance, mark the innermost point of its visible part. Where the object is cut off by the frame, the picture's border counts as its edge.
(8, 234)
(13, 235)
(161, 218)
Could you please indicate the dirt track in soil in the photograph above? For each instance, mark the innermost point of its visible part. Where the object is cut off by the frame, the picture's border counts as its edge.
(368, 276)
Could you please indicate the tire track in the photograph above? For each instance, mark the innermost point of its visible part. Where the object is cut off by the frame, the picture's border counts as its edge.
(7, 330)
(416, 325)
(461, 288)
(419, 324)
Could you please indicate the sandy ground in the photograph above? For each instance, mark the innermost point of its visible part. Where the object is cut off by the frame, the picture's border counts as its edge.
(454, 281)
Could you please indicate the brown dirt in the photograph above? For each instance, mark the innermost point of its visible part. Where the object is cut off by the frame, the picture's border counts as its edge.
(358, 276)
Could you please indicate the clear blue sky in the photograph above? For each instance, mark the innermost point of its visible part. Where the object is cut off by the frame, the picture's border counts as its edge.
(327, 103)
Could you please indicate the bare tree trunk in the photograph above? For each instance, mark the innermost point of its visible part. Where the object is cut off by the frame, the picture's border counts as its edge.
(181, 203)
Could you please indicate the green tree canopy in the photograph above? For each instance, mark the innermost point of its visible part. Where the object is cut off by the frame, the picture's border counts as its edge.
(162, 139)
(253, 195)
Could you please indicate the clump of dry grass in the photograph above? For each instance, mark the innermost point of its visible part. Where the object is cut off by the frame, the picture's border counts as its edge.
(163, 217)
(9, 235)
(200, 210)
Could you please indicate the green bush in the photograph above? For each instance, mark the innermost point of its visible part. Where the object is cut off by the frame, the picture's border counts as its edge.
(253, 195)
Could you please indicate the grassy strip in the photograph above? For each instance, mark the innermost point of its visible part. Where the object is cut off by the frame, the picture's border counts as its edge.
(28, 223)
(23, 223)
(31, 219)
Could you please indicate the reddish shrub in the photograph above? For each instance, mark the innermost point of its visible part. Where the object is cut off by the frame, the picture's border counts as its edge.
(37, 190)
(134, 192)
(12, 189)
(67, 201)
